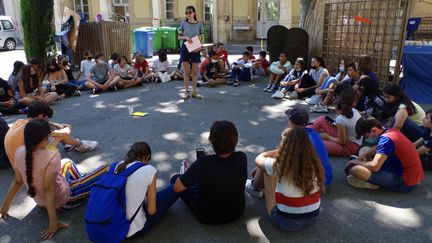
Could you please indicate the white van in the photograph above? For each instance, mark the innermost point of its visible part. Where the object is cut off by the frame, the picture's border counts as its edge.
(8, 33)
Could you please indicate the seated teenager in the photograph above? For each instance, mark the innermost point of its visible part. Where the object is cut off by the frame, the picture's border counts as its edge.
(223, 54)
(292, 181)
(241, 70)
(15, 136)
(161, 68)
(309, 82)
(53, 183)
(15, 76)
(102, 76)
(141, 69)
(291, 79)
(339, 135)
(297, 117)
(123, 70)
(403, 113)
(261, 64)
(144, 206)
(86, 65)
(393, 165)
(212, 75)
(353, 78)
(278, 70)
(58, 79)
(321, 91)
(30, 88)
(8, 104)
(374, 101)
(424, 144)
(114, 59)
(213, 186)
(72, 81)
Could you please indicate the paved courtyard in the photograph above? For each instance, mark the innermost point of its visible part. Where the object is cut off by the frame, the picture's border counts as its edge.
(174, 128)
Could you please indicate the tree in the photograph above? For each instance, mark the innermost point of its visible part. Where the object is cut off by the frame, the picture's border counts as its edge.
(38, 27)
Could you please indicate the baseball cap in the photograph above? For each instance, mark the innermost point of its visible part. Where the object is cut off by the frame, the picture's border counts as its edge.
(298, 116)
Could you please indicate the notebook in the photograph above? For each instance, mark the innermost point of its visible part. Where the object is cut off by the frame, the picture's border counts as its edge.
(196, 44)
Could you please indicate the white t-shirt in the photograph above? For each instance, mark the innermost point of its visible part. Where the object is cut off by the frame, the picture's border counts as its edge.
(286, 192)
(316, 73)
(123, 72)
(417, 117)
(136, 190)
(159, 66)
(86, 66)
(350, 124)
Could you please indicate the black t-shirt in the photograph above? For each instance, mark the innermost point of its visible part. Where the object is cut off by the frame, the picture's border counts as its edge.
(69, 74)
(4, 87)
(221, 185)
(211, 69)
(427, 140)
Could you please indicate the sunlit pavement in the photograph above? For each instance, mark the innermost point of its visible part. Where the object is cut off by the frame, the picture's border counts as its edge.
(174, 128)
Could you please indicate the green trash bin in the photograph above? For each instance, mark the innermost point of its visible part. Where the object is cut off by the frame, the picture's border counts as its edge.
(169, 38)
(132, 43)
(206, 34)
(157, 39)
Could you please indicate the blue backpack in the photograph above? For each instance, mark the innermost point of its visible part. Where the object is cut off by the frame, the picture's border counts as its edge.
(105, 217)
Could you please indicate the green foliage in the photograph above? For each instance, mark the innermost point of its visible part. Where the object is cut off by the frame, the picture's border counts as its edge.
(38, 27)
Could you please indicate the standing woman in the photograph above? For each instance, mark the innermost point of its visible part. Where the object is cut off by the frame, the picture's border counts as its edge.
(190, 28)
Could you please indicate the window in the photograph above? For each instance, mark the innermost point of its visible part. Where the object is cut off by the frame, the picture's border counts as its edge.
(7, 25)
(81, 7)
(121, 2)
(169, 9)
(208, 10)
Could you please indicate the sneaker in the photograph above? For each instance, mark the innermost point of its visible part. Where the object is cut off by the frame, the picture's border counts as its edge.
(85, 146)
(293, 95)
(196, 95)
(353, 157)
(357, 183)
(68, 147)
(274, 87)
(271, 89)
(319, 108)
(250, 188)
(278, 95)
(112, 89)
(230, 82)
(96, 91)
(186, 95)
(23, 111)
(236, 84)
(268, 88)
(314, 100)
(77, 93)
(184, 166)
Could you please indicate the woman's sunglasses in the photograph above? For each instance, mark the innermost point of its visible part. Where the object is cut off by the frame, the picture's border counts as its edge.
(188, 12)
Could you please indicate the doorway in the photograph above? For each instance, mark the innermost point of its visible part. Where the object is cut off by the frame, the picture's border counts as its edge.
(267, 16)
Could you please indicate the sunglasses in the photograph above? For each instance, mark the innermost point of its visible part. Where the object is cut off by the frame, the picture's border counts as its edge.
(188, 12)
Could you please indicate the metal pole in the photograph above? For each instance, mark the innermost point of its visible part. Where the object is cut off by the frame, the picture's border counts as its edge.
(406, 8)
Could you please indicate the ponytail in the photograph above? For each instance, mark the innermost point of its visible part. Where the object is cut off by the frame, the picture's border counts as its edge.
(34, 133)
(29, 171)
(346, 109)
(135, 153)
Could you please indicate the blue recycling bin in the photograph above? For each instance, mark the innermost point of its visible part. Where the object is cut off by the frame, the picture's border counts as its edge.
(143, 41)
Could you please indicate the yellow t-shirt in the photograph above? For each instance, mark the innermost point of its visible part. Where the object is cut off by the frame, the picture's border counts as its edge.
(417, 117)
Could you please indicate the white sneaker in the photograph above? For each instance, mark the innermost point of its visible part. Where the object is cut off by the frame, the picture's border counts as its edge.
(278, 95)
(314, 100)
(86, 145)
(254, 192)
(293, 95)
(319, 108)
(357, 183)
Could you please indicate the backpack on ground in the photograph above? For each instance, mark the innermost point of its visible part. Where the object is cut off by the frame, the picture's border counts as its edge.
(105, 218)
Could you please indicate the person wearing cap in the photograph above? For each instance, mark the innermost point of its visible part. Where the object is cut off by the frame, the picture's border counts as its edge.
(14, 137)
(394, 165)
(212, 73)
(297, 117)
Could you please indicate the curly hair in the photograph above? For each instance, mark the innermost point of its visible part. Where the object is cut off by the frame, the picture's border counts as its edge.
(301, 167)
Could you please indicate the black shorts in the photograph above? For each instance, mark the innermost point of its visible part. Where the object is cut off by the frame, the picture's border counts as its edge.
(186, 56)
(127, 78)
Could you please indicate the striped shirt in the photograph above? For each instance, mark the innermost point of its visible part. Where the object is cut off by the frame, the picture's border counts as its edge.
(290, 200)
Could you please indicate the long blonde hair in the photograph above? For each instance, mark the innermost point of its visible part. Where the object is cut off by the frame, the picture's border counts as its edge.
(298, 162)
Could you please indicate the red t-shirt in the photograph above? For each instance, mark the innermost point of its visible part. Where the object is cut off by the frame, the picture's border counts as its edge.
(264, 63)
(141, 66)
(223, 54)
(252, 57)
(203, 65)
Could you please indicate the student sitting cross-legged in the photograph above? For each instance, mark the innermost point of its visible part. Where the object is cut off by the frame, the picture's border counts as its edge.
(393, 165)
(292, 179)
(213, 186)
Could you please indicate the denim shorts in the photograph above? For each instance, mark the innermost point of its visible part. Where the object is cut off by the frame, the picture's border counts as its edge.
(284, 223)
(186, 56)
(389, 181)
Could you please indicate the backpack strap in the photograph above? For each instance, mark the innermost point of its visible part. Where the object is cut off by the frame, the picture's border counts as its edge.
(112, 167)
(131, 169)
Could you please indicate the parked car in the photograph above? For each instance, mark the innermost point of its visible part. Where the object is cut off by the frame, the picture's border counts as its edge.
(8, 33)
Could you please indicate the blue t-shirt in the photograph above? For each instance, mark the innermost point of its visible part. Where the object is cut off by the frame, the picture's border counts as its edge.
(321, 150)
(392, 163)
(427, 140)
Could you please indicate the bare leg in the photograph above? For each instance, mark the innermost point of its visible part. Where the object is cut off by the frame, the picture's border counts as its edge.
(361, 172)
(186, 74)
(269, 192)
(272, 78)
(258, 177)
(50, 97)
(26, 101)
(194, 76)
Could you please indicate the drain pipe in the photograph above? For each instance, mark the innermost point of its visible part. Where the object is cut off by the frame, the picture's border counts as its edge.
(231, 18)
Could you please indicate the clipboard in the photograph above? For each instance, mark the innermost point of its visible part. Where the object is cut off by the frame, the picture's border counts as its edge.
(196, 44)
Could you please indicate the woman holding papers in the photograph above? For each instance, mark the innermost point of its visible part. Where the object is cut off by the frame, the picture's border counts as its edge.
(192, 33)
